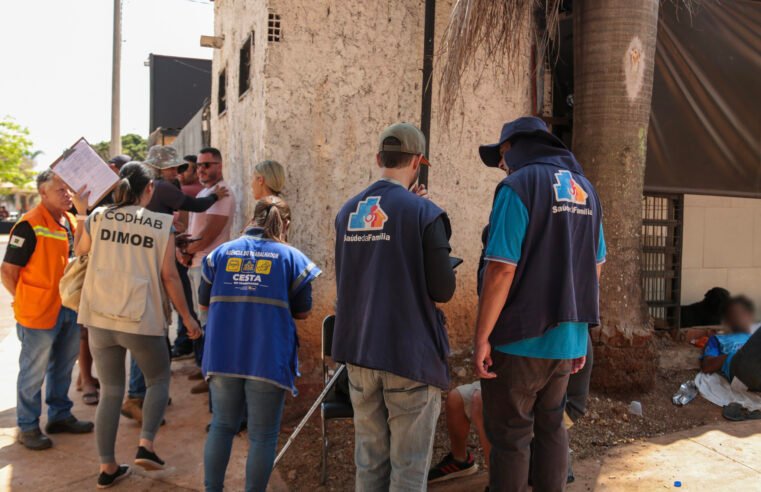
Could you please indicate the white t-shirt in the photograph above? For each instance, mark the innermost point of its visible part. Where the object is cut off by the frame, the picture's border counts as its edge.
(225, 207)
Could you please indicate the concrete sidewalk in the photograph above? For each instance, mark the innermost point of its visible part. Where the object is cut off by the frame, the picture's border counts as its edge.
(722, 457)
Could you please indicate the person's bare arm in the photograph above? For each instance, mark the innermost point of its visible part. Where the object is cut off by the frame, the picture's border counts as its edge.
(82, 241)
(10, 274)
(181, 222)
(498, 278)
(171, 280)
(210, 232)
(711, 364)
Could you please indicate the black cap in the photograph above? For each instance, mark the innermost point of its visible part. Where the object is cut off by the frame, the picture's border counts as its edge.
(191, 158)
(120, 160)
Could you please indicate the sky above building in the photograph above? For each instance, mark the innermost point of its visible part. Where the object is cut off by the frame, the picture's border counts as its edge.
(56, 77)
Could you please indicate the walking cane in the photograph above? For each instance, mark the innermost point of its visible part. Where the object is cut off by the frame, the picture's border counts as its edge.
(316, 404)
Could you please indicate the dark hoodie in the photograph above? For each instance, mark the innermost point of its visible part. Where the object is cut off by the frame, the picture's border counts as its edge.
(556, 278)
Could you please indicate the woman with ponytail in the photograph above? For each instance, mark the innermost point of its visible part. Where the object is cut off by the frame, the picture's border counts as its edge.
(130, 268)
(254, 287)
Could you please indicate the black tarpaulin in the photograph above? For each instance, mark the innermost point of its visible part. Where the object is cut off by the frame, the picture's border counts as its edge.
(705, 124)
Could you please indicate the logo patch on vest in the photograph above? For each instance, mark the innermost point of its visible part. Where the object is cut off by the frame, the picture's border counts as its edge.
(568, 190)
(369, 216)
(233, 265)
(263, 267)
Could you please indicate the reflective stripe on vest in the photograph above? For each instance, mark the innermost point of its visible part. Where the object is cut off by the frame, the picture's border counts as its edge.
(42, 231)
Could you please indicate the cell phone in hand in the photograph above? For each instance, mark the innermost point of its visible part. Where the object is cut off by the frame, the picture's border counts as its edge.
(455, 262)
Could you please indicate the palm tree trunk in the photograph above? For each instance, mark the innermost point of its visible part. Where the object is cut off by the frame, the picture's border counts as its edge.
(614, 50)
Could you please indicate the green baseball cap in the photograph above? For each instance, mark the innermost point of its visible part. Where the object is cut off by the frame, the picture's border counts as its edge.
(411, 140)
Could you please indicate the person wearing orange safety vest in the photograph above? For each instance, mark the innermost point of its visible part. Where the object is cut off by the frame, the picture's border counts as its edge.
(39, 248)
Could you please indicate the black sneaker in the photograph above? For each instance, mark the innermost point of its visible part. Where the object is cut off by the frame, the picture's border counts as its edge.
(182, 353)
(148, 460)
(69, 425)
(450, 468)
(105, 480)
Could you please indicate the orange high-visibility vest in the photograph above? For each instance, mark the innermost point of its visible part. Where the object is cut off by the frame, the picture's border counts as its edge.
(38, 300)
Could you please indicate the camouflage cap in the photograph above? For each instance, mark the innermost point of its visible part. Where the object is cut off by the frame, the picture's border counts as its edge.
(163, 157)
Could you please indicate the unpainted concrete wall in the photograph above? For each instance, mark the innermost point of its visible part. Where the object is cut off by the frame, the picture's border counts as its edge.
(342, 72)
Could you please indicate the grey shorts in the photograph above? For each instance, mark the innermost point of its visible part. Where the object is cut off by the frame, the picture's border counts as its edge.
(467, 391)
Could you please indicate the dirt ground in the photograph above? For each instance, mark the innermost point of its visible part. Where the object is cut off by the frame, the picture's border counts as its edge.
(607, 423)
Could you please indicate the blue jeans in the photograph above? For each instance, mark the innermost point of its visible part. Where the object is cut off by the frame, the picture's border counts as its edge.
(47, 354)
(265, 407)
(394, 426)
(136, 380)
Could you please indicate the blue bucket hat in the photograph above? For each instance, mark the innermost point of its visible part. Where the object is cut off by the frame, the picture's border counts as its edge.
(526, 125)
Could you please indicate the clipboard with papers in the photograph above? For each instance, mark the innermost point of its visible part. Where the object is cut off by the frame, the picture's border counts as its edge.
(81, 166)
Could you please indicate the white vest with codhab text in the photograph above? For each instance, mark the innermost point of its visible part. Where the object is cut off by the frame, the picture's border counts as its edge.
(122, 289)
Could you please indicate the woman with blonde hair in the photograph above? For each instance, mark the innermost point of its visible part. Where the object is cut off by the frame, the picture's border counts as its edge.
(269, 179)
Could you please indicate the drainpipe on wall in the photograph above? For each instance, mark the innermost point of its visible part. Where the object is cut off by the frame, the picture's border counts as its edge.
(425, 111)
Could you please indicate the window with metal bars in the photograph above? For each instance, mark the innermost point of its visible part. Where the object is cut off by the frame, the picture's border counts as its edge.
(273, 28)
(244, 66)
(662, 221)
(222, 92)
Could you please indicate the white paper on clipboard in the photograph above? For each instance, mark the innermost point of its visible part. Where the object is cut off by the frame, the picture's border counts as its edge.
(81, 166)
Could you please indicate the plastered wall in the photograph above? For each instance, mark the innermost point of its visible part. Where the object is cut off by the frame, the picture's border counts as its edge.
(722, 247)
(343, 70)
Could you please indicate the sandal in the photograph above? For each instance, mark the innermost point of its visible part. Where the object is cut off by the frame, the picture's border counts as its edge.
(91, 395)
(734, 412)
(737, 413)
(91, 398)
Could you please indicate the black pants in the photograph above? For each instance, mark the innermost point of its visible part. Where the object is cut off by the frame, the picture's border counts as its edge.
(578, 387)
(746, 364)
(182, 340)
(525, 400)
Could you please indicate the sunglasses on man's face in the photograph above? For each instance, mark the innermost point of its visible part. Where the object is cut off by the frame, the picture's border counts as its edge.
(207, 165)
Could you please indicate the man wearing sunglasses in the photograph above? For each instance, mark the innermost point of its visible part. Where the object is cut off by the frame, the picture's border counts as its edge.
(167, 198)
(207, 230)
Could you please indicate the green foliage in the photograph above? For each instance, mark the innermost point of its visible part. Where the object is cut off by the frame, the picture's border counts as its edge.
(16, 156)
(133, 145)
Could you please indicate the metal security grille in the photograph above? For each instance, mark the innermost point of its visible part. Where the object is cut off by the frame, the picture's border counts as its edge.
(662, 219)
(273, 28)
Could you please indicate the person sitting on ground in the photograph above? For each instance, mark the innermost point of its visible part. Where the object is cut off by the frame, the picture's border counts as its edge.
(464, 406)
(720, 349)
(254, 287)
(130, 268)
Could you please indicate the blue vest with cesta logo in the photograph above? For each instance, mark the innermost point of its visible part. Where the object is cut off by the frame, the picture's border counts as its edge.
(556, 277)
(385, 319)
(250, 332)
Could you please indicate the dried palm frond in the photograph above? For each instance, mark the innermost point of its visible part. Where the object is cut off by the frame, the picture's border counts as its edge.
(494, 29)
